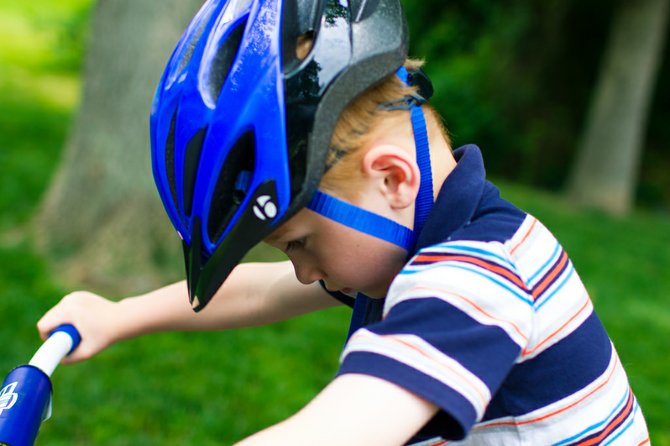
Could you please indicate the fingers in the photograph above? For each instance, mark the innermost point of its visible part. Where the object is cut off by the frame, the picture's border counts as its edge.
(82, 353)
(56, 316)
(89, 313)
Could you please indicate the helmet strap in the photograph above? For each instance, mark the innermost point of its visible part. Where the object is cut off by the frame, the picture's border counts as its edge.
(361, 220)
(424, 200)
(376, 225)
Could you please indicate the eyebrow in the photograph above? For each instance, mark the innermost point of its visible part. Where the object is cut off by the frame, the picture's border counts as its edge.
(271, 239)
(276, 235)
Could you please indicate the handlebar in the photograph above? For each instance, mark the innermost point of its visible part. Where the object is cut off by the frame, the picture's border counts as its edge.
(25, 395)
(61, 342)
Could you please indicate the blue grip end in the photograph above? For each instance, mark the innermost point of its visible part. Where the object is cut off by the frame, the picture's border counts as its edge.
(72, 332)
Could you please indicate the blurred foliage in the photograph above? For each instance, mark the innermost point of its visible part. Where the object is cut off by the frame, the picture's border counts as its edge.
(516, 78)
(39, 88)
(47, 34)
(72, 36)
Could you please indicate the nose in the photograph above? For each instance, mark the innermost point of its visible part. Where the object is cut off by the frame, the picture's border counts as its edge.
(307, 272)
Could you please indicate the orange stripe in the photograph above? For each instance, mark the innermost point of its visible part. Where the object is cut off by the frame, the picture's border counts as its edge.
(524, 237)
(645, 441)
(556, 412)
(539, 289)
(558, 330)
(475, 306)
(612, 425)
(487, 266)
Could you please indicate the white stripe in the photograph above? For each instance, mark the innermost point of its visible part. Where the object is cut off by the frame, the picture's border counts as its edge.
(551, 321)
(520, 234)
(547, 265)
(493, 305)
(491, 251)
(531, 257)
(558, 285)
(519, 292)
(418, 354)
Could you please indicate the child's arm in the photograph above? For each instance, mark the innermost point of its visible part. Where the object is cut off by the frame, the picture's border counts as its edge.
(254, 294)
(352, 410)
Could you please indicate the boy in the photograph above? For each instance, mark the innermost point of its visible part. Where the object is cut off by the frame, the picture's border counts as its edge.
(301, 123)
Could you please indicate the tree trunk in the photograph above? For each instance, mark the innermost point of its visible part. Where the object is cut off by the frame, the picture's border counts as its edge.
(605, 172)
(101, 219)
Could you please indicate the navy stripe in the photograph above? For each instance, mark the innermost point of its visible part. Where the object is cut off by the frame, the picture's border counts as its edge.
(561, 370)
(366, 311)
(496, 220)
(457, 416)
(485, 350)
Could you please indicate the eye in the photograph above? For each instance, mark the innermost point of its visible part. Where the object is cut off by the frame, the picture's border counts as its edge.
(295, 244)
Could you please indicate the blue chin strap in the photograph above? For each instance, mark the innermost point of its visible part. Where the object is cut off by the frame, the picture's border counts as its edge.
(376, 225)
(362, 220)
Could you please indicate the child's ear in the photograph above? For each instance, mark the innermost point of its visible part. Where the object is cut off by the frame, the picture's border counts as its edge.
(395, 173)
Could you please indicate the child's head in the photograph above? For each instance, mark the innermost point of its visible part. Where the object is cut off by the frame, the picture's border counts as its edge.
(244, 115)
(370, 163)
(367, 119)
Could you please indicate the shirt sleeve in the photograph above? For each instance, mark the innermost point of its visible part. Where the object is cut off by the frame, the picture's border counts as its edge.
(454, 324)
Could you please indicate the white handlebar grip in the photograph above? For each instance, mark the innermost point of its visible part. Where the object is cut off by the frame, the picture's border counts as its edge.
(61, 342)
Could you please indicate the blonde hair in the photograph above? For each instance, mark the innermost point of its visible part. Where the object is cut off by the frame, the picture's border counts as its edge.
(356, 126)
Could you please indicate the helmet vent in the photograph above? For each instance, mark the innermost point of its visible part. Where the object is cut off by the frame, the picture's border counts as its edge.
(362, 9)
(229, 191)
(193, 150)
(190, 40)
(304, 45)
(223, 60)
(169, 159)
(301, 20)
(202, 20)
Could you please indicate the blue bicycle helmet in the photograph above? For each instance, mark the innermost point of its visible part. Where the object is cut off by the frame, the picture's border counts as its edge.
(240, 126)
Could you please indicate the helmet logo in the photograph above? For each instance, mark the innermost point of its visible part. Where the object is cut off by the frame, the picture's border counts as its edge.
(265, 208)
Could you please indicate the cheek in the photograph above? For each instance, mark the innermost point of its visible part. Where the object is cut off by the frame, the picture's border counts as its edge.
(362, 261)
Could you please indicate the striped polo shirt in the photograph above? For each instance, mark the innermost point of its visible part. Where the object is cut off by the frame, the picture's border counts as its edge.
(490, 321)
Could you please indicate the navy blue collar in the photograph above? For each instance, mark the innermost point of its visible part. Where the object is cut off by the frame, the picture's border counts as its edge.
(458, 198)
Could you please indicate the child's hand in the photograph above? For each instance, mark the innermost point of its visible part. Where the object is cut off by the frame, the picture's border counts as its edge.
(94, 317)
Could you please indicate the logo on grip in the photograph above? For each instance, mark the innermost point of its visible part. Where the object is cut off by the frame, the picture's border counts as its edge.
(8, 397)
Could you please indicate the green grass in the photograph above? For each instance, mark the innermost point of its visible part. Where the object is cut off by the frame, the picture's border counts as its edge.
(215, 388)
